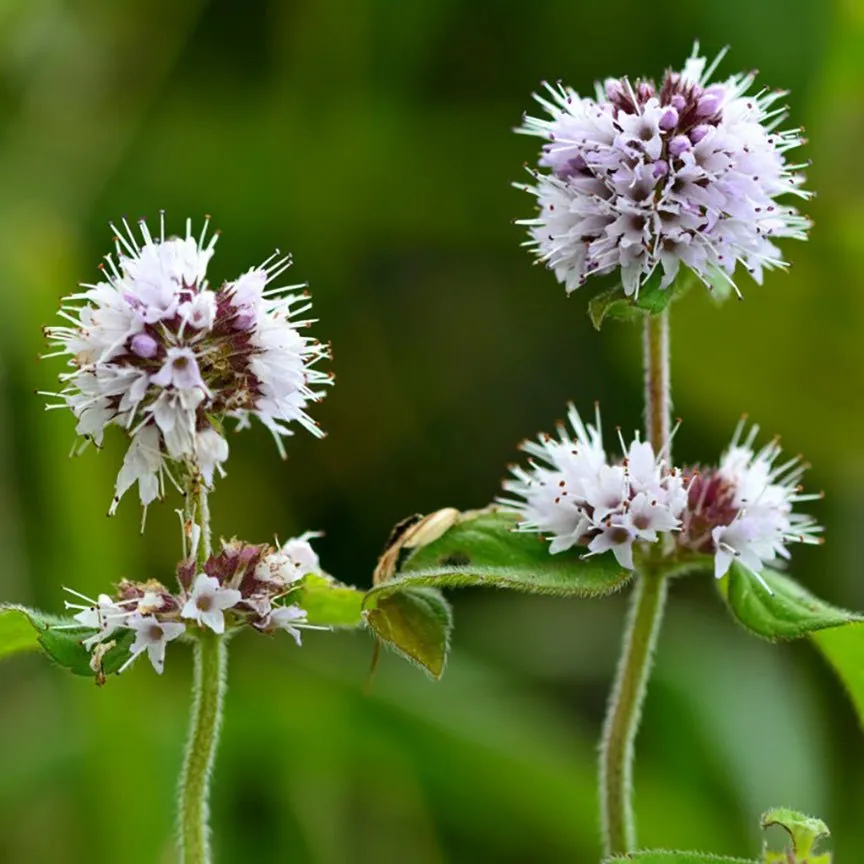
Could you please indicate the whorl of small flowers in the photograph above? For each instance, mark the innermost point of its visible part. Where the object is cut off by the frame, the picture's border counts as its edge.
(158, 352)
(240, 585)
(642, 177)
(572, 495)
(742, 510)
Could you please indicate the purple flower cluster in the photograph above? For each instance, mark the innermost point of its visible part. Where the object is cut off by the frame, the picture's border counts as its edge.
(159, 353)
(242, 584)
(644, 177)
(573, 495)
(741, 510)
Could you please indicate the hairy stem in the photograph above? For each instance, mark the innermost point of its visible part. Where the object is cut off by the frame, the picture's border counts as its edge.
(658, 403)
(643, 624)
(211, 657)
(625, 708)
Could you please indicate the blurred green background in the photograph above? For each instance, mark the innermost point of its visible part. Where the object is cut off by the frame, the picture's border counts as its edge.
(372, 139)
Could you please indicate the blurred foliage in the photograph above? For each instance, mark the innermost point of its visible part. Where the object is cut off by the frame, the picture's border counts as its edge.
(372, 139)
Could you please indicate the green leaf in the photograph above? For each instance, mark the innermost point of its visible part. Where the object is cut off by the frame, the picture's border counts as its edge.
(63, 646)
(664, 857)
(843, 648)
(416, 623)
(793, 612)
(16, 632)
(611, 303)
(328, 603)
(654, 299)
(789, 613)
(614, 303)
(805, 832)
(482, 549)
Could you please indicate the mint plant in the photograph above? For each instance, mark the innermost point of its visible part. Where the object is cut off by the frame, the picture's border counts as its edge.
(153, 349)
(664, 186)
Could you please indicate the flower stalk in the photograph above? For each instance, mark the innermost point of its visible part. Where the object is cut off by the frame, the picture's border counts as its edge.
(643, 624)
(658, 401)
(624, 712)
(211, 657)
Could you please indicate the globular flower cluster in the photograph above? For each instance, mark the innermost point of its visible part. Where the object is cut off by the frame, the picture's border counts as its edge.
(643, 177)
(241, 585)
(575, 497)
(742, 510)
(158, 352)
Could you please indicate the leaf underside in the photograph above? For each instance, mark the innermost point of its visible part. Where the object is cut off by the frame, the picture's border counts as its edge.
(416, 623)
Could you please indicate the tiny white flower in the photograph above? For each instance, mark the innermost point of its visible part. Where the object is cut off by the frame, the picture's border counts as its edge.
(606, 491)
(152, 636)
(294, 560)
(616, 533)
(200, 311)
(647, 516)
(287, 618)
(740, 541)
(179, 370)
(175, 413)
(573, 496)
(291, 619)
(149, 603)
(211, 450)
(143, 464)
(208, 601)
(260, 604)
(102, 615)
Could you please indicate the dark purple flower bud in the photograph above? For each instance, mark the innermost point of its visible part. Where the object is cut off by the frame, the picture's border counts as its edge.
(661, 168)
(669, 119)
(644, 91)
(679, 144)
(186, 571)
(614, 90)
(678, 102)
(144, 345)
(699, 132)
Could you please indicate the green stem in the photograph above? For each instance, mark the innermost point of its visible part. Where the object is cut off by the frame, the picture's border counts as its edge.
(658, 403)
(643, 624)
(625, 708)
(211, 657)
(210, 663)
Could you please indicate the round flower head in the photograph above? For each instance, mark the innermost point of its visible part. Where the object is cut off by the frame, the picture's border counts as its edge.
(572, 495)
(645, 178)
(157, 351)
(743, 509)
